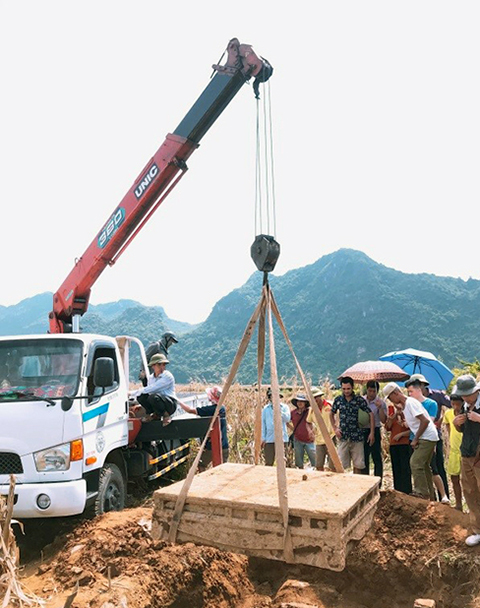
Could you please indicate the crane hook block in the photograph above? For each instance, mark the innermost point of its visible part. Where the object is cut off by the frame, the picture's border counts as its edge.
(265, 251)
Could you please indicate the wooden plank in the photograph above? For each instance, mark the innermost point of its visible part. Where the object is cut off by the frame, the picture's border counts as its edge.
(332, 450)
(219, 525)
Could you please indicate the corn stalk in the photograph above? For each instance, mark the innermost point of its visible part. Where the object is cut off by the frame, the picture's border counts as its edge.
(11, 590)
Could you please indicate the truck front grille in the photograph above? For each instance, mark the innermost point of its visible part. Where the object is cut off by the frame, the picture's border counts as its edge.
(10, 463)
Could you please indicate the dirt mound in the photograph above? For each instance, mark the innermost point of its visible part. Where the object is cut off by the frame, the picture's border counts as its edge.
(115, 562)
(414, 549)
(419, 545)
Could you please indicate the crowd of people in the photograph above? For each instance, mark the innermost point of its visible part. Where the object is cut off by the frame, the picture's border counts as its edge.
(413, 422)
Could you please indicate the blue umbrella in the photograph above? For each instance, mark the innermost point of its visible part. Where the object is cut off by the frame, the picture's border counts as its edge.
(421, 362)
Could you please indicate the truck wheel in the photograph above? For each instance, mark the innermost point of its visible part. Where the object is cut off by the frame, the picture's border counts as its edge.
(111, 490)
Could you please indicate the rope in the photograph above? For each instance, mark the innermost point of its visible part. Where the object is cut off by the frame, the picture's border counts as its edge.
(261, 364)
(258, 175)
(262, 311)
(182, 496)
(279, 447)
(332, 451)
(266, 160)
(272, 164)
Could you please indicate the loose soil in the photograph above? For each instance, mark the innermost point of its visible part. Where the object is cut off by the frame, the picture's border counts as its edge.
(414, 549)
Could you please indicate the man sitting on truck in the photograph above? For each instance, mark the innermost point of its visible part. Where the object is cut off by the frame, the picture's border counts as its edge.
(158, 398)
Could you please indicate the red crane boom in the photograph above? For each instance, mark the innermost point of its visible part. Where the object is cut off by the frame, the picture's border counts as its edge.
(160, 175)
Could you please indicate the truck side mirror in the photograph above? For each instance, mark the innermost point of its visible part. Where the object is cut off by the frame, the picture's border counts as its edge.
(66, 403)
(103, 372)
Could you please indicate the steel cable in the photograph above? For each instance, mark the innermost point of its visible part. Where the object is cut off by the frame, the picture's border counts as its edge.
(265, 198)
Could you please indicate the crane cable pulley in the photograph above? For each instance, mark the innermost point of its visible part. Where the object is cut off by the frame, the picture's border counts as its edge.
(265, 250)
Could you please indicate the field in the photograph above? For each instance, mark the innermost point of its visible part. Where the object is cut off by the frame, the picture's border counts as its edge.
(415, 549)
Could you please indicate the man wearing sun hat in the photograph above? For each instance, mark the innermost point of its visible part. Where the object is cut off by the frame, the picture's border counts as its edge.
(468, 423)
(158, 397)
(423, 442)
(321, 452)
(418, 387)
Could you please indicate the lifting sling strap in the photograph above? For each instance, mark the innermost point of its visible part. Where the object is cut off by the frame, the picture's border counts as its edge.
(265, 309)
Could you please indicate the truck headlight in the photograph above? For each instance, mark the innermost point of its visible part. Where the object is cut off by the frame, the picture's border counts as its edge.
(53, 459)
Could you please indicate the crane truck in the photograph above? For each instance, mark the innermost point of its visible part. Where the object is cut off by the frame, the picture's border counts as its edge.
(65, 429)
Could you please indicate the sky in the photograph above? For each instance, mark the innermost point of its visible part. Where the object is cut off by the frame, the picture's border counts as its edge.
(376, 140)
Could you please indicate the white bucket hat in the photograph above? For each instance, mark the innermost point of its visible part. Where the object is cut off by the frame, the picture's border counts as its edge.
(389, 388)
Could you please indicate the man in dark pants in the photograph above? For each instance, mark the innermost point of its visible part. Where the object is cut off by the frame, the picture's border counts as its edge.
(214, 393)
(268, 429)
(468, 423)
(158, 398)
(438, 462)
(378, 407)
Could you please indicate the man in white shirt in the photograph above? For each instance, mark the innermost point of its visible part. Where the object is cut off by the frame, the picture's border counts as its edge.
(268, 430)
(158, 397)
(423, 442)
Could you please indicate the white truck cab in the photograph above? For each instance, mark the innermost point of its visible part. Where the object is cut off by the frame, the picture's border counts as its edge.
(65, 432)
(59, 448)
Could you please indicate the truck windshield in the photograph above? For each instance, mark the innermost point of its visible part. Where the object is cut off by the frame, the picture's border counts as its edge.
(41, 368)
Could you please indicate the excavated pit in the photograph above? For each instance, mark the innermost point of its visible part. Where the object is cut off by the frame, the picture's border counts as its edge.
(413, 549)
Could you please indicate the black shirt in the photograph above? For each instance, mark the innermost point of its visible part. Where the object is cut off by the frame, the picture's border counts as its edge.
(471, 435)
(206, 411)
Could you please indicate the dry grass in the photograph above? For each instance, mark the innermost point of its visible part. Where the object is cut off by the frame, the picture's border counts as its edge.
(12, 592)
(240, 404)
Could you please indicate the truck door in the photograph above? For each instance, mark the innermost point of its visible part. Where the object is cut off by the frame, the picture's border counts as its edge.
(104, 411)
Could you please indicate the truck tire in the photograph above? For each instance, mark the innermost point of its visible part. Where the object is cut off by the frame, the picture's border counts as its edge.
(111, 490)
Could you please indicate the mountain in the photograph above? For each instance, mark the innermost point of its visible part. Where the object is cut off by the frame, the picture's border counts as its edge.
(30, 316)
(342, 309)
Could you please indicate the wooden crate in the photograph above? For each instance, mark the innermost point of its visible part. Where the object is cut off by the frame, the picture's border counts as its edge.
(235, 507)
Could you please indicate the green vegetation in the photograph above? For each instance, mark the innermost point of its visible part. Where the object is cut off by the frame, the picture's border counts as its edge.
(342, 309)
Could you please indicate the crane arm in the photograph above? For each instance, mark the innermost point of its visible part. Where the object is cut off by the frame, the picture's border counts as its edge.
(159, 176)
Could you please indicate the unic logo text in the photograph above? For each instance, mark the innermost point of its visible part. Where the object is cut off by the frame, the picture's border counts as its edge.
(146, 180)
